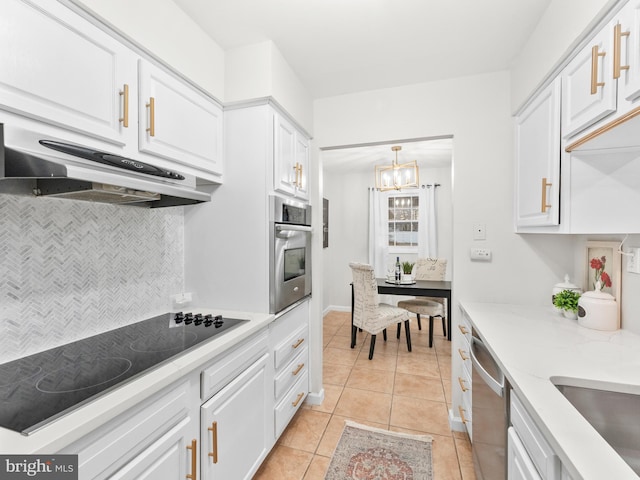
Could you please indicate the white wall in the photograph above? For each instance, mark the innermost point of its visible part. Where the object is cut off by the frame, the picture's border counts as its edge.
(562, 24)
(476, 111)
(348, 229)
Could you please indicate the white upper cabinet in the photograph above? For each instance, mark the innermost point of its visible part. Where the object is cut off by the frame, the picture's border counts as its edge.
(177, 122)
(626, 61)
(537, 143)
(61, 69)
(291, 159)
(588, 88)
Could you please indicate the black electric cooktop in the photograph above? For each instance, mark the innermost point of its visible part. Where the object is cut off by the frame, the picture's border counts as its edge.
(35, 390)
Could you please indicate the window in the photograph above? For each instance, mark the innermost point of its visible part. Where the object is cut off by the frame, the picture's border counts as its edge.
(403, 221)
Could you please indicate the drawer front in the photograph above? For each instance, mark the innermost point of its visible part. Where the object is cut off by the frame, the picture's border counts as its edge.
(465, 414)
(465, 329)
(464, 352)
(540, 452)
(295, 369)
(291, 403)
(291, 345)
(229, 366)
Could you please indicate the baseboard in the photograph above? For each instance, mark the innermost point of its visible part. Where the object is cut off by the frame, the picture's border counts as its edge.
(315, 398)
(335, 308)
(456, 423)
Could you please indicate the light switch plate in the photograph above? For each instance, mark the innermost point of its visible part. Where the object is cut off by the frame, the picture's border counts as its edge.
(479, 231)
(633, 260)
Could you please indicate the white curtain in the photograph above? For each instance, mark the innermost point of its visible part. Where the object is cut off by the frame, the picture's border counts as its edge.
(378, 232)
(427, 224)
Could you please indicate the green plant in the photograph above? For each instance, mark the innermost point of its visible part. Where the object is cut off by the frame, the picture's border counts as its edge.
(567, 300)
(407, 267)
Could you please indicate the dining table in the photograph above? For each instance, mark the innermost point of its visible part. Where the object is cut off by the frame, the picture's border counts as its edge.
(416, 288)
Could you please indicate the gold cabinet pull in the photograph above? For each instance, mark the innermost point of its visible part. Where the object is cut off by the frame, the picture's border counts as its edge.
(152, 116)
(462, 417)
(124, 93)
(295, 170)
(545, 205)
(297, 370)
(298, 343)
(594, 69)
(617, 50)
(194, 459)
(299, 175)
(297, 400)
(461, 382)
(463, 329)
(462, 354)
(214, 442)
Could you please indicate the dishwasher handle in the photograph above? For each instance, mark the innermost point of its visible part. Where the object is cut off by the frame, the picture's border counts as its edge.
(497, 385)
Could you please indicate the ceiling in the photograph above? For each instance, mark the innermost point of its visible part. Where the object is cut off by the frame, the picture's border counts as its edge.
(344, 46)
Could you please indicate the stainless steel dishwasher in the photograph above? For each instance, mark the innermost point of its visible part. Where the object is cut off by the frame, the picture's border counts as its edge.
(490, 413)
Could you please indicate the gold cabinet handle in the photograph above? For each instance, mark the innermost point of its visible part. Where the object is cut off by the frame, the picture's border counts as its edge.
(152, 116)
(124, 93)
(297, 370)
(463, 329)
(295, 170)
(617, 50)
(194, 459)
(299, 175)
(298, 343)
(462, 417)
(594, 69)
(545, 205)
(461, 382)
(214, 441)
(462, 354)
(297, 400)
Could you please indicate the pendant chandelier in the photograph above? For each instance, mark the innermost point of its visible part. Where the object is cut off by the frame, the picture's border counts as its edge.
(397, 176)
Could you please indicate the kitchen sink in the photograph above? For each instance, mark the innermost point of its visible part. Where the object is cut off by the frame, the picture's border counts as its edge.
(615, 416)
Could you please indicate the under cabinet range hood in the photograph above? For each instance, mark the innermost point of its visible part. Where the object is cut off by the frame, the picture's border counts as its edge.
(42, 165)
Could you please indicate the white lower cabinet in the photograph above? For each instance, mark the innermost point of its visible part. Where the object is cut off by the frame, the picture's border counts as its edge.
(235, 426)
(529, 455)
(154, 440)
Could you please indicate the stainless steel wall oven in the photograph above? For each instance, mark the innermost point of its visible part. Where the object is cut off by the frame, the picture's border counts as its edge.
(289, 252)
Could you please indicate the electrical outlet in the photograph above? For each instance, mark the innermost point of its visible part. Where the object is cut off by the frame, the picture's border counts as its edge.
(482, 254)
(633, 260)
(181, 299)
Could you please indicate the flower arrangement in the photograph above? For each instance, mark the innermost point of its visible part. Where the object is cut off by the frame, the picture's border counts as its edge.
(407, 268)
(598, 265)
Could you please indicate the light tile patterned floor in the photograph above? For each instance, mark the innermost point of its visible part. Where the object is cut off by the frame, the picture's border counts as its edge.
(396, 390)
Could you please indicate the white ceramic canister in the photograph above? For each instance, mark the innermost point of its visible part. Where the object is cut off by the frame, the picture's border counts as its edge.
(598, 310)
(559, 287)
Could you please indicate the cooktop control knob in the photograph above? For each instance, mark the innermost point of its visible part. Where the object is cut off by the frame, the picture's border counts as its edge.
(217, 321)
(208, 320)
(188, 318)
(179, 318)
(197, 319)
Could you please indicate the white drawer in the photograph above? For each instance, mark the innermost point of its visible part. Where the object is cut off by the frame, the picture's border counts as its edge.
(465, 414)
(464, 326)
(227, 367)
(464, 383)
(541, 453)
(291, 345)
(464, 352)
(291, 403)
(295, 369)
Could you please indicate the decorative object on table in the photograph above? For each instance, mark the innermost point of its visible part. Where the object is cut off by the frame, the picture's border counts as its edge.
(397, 176)
(398, 270)
(407, 270)
(567, 302)
(559, 287)
(368, 453)
(598, 310)
(603, 261)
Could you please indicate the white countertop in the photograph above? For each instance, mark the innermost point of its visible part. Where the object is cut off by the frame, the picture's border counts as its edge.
(533, 344)
(74, 425)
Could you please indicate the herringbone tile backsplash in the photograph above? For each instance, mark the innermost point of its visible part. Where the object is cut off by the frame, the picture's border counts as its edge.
(72, 269)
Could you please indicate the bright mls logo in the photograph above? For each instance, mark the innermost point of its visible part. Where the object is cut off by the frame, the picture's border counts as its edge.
(53, 467)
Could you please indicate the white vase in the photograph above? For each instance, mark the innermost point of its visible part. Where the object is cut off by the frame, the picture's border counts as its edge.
(570, 315)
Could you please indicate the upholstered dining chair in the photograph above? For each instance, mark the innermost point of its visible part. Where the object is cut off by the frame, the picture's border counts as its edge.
(428, 269)
(368, 313)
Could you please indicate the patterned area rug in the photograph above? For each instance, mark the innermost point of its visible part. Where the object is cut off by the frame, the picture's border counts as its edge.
(367, 453)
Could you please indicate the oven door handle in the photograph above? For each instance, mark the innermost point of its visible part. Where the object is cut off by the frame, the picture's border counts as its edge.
(294, 228)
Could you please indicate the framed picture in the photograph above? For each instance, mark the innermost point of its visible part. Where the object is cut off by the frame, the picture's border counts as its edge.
(603, 263)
